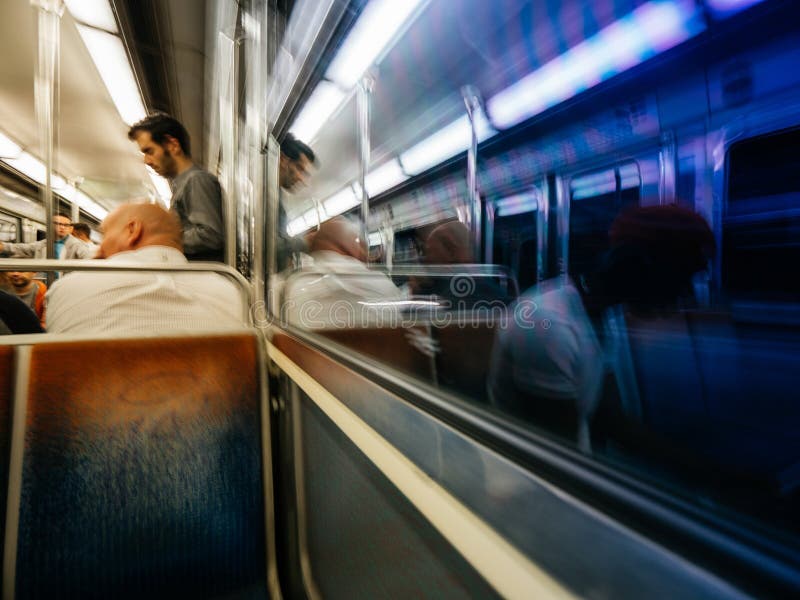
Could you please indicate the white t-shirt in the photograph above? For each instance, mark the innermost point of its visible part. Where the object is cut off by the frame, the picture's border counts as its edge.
(341, 292)
(142, 302)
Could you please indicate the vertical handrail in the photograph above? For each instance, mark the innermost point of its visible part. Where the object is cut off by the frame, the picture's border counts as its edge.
(228, 106)
(45, 83)
(273, 199)
(473, 105)
(364, 100)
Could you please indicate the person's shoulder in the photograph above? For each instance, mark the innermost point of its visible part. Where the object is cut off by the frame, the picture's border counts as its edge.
(198, 175)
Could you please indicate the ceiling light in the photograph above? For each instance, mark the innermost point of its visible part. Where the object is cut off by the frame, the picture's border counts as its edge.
(322, 103)
(445, 143)
(340, 202)
(384, 177)
(29, 166)
(726, 8)
(76, 196)
(8, 149)
(111, 60)
(96, 13)
(650, 29)
(375, 29)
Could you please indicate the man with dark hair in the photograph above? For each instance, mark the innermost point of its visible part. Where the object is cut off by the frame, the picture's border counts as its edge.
(66, 246)
(295, 162)
(82, 232)
(196, 193)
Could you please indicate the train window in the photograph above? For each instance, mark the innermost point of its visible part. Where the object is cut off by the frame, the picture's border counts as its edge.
(515, 239)
(761, 226)
(595, 199)
(8, 231)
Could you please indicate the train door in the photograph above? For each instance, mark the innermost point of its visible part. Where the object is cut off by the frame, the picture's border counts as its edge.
(9, 229)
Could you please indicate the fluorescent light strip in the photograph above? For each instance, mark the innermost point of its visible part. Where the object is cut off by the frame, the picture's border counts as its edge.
(726, 8)
(8, 148)
(373, 33)
(450, 140)
(650, 29)
(96, 13)
(323, 102)
(384, 177)
(340, 202)
(375, 239)
(375, 29)
(111, 60)
(29, 166)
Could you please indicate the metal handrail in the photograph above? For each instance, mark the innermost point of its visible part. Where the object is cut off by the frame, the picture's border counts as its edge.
(48, 265)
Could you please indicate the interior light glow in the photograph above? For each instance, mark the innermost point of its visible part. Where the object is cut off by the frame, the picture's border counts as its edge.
(518, 204)
(375, 29)
(96, 13)
(650, 29)
(76, 196)
(295, 226)
(375, 239)
(322, 103)
(384, 177)
(445, 143)
(605, 182)
(162, 187)
(340, 202)
(29, 166)
(111, 60)
(8, 149)
(726, 8)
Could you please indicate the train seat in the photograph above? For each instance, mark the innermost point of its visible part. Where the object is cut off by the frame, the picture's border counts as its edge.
(406, 349)
(142, 469)
(463, 357)
(6, 390)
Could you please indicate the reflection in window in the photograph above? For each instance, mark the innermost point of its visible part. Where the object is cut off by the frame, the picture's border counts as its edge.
(596, 198)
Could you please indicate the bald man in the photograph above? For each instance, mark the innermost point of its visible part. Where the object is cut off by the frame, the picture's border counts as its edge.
(340, 291)
(142, 302)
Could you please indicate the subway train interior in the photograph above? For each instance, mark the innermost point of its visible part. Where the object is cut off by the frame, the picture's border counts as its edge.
(516, 300)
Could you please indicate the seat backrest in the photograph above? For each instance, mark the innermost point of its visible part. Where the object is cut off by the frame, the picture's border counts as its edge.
(6, 389)
(465, 351)
(142, 470)
(398, 347)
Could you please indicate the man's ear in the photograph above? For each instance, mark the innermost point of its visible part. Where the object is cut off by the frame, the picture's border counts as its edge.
(173, 145)
(134, 232)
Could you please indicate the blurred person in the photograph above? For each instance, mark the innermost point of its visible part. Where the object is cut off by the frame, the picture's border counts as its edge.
(30, 291)
(82, 232)
(342, 290)
(66, 246)
(196, 193)
(294, 169)
(142, 302)
(451, 244)
(547, 367)
(16, 317)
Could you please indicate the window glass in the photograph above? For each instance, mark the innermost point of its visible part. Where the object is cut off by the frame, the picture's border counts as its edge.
(595, 200)
(761, 226)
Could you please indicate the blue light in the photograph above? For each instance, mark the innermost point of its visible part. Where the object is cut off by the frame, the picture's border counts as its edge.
(650, 29)
(726, 8)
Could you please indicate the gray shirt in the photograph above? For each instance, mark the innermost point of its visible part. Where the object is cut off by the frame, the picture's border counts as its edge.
(197, 200)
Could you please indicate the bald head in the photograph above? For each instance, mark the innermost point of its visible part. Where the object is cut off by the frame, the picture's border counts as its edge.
(448, 244)
(338, 235)
(134, 226)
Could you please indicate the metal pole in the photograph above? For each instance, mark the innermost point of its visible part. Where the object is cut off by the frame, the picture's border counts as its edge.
(228, 49)
(273, 199)
(46, 81)
(472, 102)
(365, 88)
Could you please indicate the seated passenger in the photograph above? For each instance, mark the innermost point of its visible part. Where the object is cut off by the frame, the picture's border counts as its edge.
(16, 317)
(340, 291)
(547, 366)
(450, 244)
(142, 302)
(30, 291)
